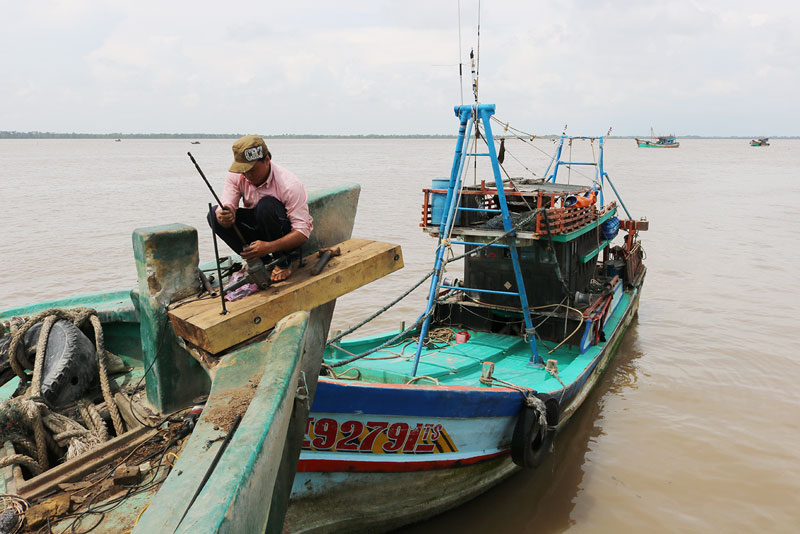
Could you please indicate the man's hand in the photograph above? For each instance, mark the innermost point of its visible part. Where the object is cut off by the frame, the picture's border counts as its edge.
(257, 249)
(226, 217)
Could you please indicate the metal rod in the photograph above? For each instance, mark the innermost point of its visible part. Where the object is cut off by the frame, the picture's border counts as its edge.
(219, 268)
(211, 467)
(219, 202)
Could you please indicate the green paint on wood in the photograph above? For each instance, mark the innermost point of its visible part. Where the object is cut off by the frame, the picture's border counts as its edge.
(166, 265)
(236, 497)
(595, 252)
(334, 213)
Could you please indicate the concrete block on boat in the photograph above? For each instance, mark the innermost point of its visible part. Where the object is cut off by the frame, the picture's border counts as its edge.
(166, 263)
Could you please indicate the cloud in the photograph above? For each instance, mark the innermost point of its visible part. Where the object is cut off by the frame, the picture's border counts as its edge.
(391, 67)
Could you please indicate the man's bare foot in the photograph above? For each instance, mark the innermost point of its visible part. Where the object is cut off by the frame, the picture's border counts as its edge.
(278, 274)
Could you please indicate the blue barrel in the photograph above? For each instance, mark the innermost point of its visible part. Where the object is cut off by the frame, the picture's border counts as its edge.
(610, 228)
(438, 208)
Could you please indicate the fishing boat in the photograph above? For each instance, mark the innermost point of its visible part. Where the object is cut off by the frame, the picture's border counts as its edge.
(164, 408)
(761, 141)
(412, 422)
(660, 141)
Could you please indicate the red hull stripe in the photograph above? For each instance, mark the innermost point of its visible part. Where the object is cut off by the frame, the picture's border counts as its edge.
(400, 466)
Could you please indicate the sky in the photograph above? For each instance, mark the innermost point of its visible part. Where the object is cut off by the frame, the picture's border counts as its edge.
(711, 68)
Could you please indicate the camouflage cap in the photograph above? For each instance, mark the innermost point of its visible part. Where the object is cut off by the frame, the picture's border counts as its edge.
(246, 152)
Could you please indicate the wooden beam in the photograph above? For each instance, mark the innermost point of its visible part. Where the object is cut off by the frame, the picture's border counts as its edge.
(88, 462)
(362, 261)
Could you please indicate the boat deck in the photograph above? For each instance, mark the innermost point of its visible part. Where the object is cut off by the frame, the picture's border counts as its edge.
(460, 364)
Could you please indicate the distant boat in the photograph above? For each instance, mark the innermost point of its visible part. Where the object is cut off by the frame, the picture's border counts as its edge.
(195, 142)
(117, 140)
(661, 141)
(761, 141)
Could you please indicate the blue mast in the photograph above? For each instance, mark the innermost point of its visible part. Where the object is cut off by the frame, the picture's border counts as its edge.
(468, 114)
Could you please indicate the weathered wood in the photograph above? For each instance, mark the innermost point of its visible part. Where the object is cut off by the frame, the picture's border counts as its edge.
(37, 515)
(362, 261)
(76, 468)
(124, 404)
(127, 475)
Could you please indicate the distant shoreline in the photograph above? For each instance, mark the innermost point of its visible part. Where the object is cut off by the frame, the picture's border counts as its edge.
(56, 135)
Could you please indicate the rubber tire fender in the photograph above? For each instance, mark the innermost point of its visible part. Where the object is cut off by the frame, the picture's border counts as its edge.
(530, 444)
(70, 364)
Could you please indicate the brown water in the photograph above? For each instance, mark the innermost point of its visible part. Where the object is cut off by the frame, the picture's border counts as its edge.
(696, 424)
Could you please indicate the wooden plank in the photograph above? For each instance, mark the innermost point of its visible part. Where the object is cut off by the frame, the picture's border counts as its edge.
(76, 468)
(125, 406)
(362, 261)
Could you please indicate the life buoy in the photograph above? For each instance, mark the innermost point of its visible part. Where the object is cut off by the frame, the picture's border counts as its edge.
(532, 438)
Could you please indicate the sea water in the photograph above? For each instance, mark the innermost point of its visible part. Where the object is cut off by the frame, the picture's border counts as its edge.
(694, 427)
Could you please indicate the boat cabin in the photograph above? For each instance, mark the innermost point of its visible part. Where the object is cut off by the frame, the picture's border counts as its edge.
(565, 258)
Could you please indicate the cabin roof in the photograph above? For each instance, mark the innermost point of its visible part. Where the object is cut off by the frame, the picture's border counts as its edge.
(526, 185)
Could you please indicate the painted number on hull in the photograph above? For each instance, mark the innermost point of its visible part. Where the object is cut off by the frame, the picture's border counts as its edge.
(376, 437)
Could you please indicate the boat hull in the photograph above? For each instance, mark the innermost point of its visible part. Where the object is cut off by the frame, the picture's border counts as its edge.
(650, 144)
(265, 380)
(440, 446)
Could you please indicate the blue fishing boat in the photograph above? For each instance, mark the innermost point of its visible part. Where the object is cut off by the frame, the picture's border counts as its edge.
(761, 141)
(410, 423)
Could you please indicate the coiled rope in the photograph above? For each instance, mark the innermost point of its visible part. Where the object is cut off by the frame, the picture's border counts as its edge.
(12, 513)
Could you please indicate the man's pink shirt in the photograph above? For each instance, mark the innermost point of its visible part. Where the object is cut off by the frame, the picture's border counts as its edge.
(281, 184)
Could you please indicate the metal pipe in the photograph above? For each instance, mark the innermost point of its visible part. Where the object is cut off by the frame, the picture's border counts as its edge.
(219, 268)
(219, 202)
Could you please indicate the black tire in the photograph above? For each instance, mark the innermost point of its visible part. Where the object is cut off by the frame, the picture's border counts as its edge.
(530, 444)
(70, 364)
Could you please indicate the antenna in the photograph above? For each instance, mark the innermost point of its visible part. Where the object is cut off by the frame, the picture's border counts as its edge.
(460, 61)
(474, 75)
(478, 66)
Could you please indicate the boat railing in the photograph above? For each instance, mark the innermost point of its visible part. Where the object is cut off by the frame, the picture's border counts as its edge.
(552, 221)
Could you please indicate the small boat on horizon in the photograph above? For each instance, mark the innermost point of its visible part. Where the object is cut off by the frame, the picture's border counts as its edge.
(658, 141)
(761, 141)
(195, 142)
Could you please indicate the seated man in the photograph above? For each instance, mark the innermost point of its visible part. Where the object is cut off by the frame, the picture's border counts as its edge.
(274, 219)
